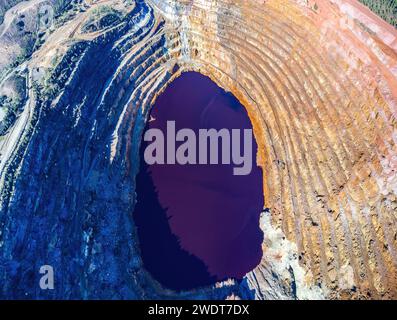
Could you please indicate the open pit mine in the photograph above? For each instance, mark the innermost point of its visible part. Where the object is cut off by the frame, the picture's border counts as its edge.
(82, 216)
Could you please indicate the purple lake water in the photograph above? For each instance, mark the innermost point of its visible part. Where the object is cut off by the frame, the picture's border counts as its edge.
(198, 224)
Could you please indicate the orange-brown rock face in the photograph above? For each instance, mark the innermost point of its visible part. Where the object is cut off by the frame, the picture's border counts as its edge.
(319, 79)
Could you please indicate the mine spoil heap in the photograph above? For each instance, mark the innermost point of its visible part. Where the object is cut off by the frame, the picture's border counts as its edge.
(319, 81)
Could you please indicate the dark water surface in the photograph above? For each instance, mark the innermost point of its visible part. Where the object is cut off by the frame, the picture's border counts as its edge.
(198, 224)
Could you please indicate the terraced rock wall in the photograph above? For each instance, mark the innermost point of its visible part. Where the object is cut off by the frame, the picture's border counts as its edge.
(319, 81)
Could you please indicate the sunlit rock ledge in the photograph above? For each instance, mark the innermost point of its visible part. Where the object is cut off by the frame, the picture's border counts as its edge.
(319, 82)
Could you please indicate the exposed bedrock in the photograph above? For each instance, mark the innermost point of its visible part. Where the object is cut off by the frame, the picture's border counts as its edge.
(319, 82)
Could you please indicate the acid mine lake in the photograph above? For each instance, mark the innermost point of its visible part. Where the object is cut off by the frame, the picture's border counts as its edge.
(198, 224)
